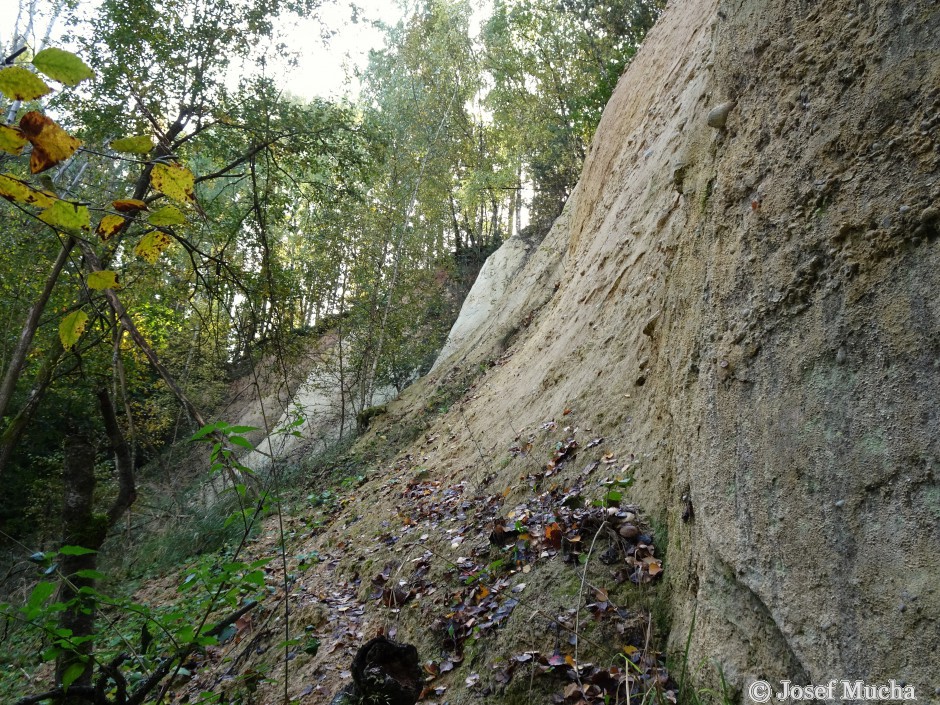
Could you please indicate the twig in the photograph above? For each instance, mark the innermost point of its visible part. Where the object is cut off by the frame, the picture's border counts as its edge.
(232, 618)
(472, 437)
(536, 611)
(577, 614)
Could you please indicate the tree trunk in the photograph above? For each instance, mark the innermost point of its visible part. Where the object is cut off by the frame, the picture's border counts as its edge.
(18, 359)
(15, 427)
(80, 527)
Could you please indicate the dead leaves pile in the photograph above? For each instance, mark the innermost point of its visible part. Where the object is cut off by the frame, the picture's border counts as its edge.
(477, 593)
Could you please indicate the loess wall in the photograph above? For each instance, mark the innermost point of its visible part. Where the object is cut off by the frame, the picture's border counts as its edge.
(753, 311)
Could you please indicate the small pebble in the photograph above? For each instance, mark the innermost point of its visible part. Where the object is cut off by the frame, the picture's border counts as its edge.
(718, 117)
(840, 503)
(629, 531)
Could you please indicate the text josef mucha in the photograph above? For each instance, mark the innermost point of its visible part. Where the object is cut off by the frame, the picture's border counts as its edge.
(844, 690)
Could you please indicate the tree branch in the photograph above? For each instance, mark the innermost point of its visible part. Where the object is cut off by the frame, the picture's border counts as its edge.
(18, 359)
(124, 464)
(94, 265)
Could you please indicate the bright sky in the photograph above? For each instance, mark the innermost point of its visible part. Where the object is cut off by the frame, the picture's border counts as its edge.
(326, 69)
(323, 67)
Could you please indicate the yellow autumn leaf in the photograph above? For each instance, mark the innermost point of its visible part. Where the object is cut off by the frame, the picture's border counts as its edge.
(66, 215)
(19, 83)
(18, 191)
(174, 181)
(152, 245)
(104, 279)
(51, 144)
(11, 140)
(129, 205)
(108, 226)
(135, 144)
(72, 327)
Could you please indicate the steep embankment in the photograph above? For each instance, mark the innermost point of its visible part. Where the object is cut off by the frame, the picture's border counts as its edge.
(752, 311)
(746, 313)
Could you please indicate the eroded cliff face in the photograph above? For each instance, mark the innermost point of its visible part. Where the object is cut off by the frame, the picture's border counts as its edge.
(752, 310)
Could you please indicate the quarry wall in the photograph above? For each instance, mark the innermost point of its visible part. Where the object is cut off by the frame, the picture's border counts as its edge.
(744, 292)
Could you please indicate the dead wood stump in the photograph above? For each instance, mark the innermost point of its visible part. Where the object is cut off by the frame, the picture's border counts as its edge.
(383, 671)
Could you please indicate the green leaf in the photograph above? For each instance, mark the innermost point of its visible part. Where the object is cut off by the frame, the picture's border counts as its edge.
(70, 330)
(90, 574)
(65, 215)
(243, 515)
(42, 592)
(168, 215)
(243, 442)
(227, 633)
(62, 66)
(255, 577)
(103, 279)
(207, 429)
(312, 646)
(75, 550)
(19, 83)
(72, 674)
(51, 654)
(135, 144)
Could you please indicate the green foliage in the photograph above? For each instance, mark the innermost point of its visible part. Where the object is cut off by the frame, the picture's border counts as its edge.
(215, 584)
(554, 65)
